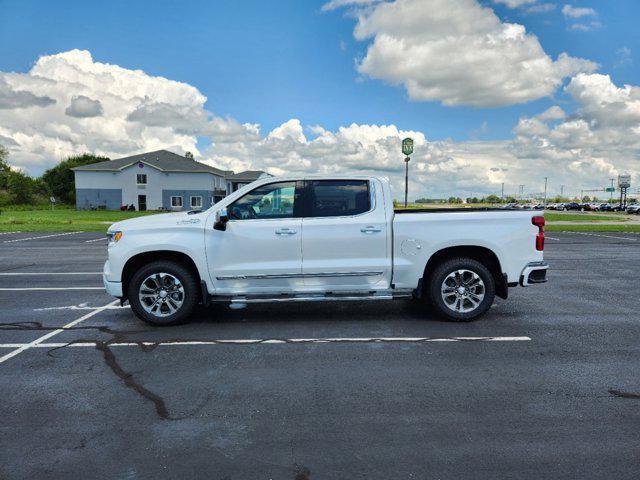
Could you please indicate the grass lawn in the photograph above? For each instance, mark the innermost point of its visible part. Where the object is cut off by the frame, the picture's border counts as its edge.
(596, 227)
(62, 220)
(581, 217)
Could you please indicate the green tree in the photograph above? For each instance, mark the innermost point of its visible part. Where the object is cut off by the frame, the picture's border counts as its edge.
(492, 199)
(60, 180)
(20, 188)
(4, 168)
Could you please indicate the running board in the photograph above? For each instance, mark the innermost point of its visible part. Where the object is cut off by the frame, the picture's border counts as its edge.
(313, 297)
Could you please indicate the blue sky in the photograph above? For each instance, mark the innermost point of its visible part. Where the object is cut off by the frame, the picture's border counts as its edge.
(266, 62)
(292, 65)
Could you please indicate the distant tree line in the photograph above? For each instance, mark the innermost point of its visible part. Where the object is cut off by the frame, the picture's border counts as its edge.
(18, 188)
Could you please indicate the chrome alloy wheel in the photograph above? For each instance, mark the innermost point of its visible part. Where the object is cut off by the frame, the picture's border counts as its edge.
(462, 291)
(161, 294)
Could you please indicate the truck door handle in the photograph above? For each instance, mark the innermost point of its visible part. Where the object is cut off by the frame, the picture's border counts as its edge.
(370, 229)
(285, 231)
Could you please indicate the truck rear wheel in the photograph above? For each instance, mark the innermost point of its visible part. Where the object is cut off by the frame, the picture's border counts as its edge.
(163, 293)
(461, 289)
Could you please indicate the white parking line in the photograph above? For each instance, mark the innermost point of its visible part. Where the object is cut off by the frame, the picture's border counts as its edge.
(33, 289)
(95, 240)
(53, 333)
(603, 236)
(41, 236)
(270, 341)
(81, 306)
(19, 274)
(9, 233)
(550, 238)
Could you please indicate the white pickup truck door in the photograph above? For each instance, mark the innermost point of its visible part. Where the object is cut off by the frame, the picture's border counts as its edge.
(261, 249)
(345, 239)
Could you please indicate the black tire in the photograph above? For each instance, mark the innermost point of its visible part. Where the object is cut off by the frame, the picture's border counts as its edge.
(189, 285)
(442, 271)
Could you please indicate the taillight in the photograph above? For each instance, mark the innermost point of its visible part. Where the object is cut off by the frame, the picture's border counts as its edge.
(539, 222)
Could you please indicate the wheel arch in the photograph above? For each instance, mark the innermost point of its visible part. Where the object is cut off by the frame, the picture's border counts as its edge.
(483, 255)
(134, 263)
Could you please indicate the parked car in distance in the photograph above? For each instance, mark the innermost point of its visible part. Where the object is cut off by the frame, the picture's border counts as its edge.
(610, 207)
(571, 206)
(633, 208)
(304, 239)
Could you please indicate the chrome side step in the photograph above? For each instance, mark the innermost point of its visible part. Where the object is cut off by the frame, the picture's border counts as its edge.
(313, 297)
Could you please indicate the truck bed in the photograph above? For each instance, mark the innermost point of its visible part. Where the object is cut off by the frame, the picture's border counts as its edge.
(453, 210)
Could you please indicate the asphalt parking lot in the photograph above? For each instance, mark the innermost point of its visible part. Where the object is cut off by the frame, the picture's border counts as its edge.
(547, 387)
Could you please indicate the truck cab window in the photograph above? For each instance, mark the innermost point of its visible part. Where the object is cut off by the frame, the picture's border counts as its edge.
(337, 198)
(275, 200)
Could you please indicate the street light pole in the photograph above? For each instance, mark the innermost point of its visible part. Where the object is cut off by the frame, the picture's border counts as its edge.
(545, 191)
(502, 194)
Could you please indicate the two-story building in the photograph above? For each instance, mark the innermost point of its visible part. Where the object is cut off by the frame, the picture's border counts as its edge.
(150, 181)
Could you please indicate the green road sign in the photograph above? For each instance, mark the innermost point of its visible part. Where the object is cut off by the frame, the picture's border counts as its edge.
(407, 146)
(609, 189)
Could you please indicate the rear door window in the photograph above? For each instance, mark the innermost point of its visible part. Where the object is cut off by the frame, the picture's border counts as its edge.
(337, 198)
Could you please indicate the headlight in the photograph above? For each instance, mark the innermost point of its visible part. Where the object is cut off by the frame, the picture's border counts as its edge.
(114, 237)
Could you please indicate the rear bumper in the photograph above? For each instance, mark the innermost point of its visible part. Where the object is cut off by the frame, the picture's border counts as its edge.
(534, 272)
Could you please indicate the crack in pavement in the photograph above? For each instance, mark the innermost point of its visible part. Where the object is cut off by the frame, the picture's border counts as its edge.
(127, 378)
(621, 394)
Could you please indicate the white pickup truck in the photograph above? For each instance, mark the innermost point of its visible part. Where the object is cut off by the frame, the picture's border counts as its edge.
(293, 239)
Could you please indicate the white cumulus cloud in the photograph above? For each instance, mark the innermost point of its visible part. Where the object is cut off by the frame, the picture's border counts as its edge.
(459, 53)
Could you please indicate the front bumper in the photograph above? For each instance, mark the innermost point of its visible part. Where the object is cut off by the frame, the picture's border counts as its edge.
(113, 288)
(534, 272)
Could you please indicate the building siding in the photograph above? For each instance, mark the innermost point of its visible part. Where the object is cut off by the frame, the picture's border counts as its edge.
(186, 198)
(157, 182)
(109, 198)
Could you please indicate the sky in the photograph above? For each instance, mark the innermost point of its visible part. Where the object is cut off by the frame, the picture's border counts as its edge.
(492, 91)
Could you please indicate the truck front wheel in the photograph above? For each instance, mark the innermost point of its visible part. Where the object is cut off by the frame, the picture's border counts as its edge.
(163, 293)
(461, 289)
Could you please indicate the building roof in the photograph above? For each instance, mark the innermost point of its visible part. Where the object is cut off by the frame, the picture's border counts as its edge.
(163, 160)
(246, 176)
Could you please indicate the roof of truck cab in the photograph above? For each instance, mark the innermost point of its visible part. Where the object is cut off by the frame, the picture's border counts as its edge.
(323, 177)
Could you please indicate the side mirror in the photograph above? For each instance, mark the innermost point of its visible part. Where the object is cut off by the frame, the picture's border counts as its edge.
(222, 217)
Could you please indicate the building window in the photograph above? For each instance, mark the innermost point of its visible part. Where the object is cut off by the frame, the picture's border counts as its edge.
(196, 202)
(141, 179)
(176, 201)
